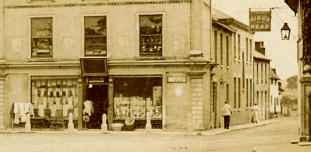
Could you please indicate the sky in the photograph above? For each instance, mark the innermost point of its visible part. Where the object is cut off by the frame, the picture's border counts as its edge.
(282, 52)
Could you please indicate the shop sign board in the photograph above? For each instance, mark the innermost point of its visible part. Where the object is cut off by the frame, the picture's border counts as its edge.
(94, 67)
(177, 77)
(260, 21)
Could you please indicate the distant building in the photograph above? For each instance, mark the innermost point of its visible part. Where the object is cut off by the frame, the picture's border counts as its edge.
(275, 100)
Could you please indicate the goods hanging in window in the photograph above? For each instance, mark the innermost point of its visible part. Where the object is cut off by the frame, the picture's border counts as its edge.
(54, 99)
(134, 97)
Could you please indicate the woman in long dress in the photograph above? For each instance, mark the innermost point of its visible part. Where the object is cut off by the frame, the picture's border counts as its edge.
(255, 110)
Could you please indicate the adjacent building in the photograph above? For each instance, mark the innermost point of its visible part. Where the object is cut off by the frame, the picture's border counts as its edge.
(302, 8)
(232, 52)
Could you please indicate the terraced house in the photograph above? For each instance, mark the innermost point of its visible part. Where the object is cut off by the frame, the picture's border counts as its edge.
(129, 57)
(232, 52)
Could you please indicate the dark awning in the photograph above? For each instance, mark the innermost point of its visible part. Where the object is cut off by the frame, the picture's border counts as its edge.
(94, 66)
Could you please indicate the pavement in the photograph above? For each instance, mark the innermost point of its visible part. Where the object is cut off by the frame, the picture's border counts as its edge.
(143, 131)
(267, 136)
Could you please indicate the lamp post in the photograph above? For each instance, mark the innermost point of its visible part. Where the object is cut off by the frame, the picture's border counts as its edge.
(285, 32)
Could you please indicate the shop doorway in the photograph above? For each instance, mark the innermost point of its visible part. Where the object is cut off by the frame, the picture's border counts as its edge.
(98, 94)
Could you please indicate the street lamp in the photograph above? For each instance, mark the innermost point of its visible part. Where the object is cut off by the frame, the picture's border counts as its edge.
(285, 32)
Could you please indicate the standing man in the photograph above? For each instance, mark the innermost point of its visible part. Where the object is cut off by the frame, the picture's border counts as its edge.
(227, 113)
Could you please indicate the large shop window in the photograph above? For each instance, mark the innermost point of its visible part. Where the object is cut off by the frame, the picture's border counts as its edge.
(134, 97)
(41, 37)
(54, 99)
(150, 35)
(95, 35)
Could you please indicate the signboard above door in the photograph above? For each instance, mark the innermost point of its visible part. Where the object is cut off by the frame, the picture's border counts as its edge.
(94, 67)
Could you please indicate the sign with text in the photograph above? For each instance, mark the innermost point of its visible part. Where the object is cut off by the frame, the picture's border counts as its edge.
(259, 21)
(176, 77)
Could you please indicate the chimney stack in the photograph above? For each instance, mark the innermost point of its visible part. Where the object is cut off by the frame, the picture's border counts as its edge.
(259, 46)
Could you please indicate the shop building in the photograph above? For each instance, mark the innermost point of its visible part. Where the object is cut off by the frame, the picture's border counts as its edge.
(261, 81)
(232, 77)
(129, 58)
(275, 100)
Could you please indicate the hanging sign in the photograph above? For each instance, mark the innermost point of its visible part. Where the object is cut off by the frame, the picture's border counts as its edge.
(260, 21)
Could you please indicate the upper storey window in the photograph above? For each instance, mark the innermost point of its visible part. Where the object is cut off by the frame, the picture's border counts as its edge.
(95, 36)
(42, 37)
(150, 35)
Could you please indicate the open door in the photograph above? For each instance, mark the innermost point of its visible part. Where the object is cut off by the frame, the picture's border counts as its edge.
(94, 73)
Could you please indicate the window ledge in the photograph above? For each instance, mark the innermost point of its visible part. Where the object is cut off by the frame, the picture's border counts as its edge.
(222, 66)
(240, 109)
(29, 1)
(228, 67)
(40, 60)
(150, 58)
(235, 110)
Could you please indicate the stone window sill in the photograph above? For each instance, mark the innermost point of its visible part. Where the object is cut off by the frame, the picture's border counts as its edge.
(40, 60)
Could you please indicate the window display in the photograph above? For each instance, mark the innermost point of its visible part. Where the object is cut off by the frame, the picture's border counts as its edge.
(95, 36)
(150, 35)
(55, 98)
(134, 102)
(41, 37)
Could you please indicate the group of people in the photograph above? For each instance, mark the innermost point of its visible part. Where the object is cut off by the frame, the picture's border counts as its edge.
(227, 112)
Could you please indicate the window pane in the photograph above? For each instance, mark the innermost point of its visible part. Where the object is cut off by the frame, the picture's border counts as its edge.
(53, 99)
(41, 37)
(95, 34)
(150, 35)
(132, 102)
(221, 50)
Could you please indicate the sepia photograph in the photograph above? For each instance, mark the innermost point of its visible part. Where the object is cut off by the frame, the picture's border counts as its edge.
(155, 75)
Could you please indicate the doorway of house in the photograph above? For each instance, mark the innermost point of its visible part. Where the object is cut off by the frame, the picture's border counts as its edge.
(98, 94)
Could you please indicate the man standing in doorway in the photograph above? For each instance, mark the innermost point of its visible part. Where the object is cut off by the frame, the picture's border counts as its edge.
(227, 111)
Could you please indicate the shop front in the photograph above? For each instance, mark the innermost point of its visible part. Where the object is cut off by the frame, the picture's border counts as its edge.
(52, 100)
(171, 100)
(126, 100)
(134, 97)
